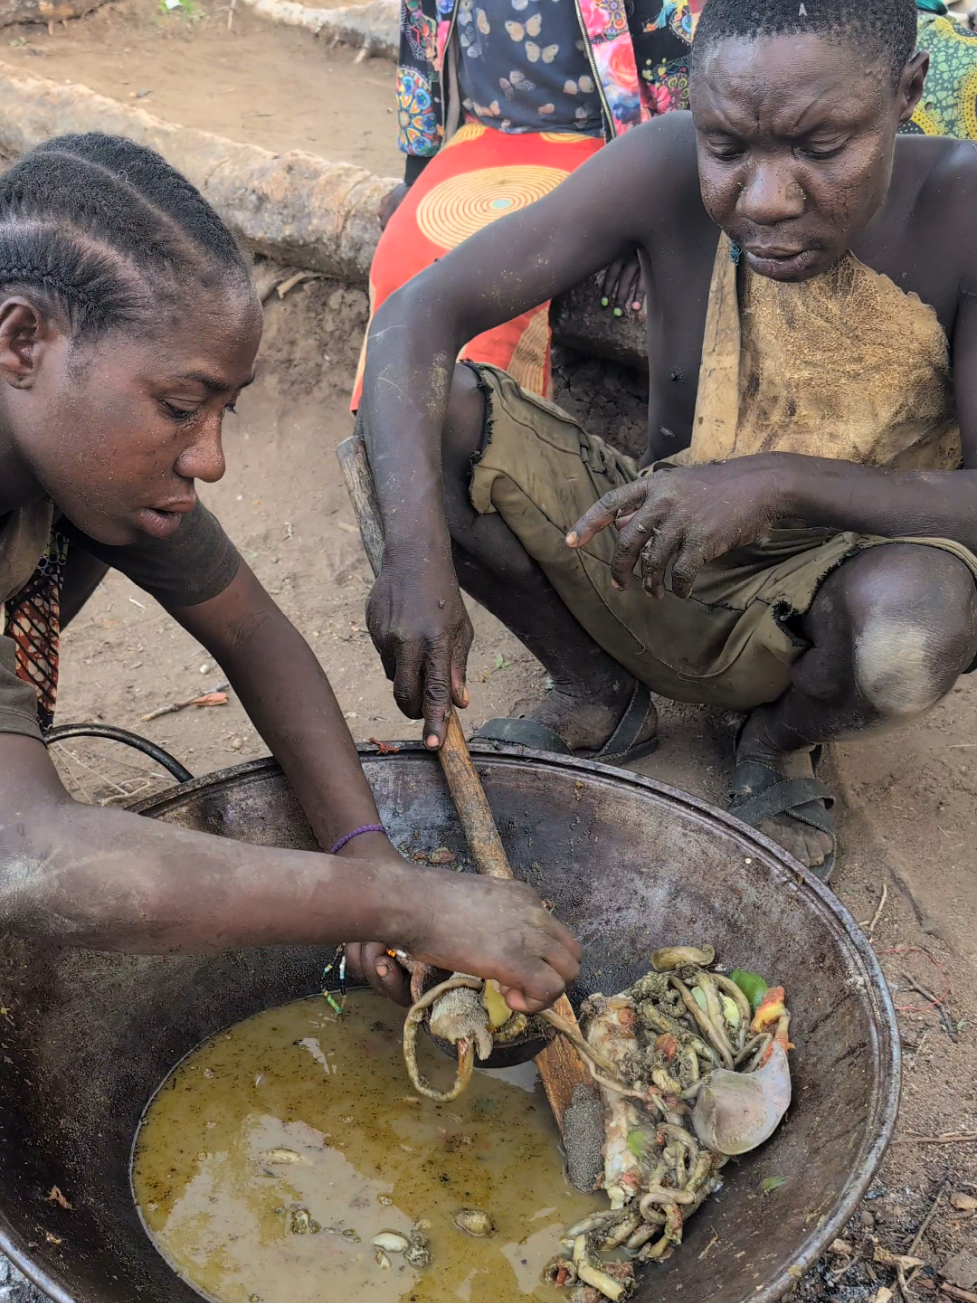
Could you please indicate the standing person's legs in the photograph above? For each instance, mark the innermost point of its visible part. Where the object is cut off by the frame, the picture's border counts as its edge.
(479, 176)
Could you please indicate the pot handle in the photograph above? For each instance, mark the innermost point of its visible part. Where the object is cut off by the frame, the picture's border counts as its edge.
(62, 732)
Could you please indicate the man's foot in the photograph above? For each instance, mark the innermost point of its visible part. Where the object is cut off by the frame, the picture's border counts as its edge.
(626, 718)
(752, 781)
(583, 723)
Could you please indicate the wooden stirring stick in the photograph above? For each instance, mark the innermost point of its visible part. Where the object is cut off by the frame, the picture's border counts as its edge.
(564, 1075)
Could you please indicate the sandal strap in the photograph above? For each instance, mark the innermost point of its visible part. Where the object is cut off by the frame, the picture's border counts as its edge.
(629, 726)
(522, 733)
(798, 797)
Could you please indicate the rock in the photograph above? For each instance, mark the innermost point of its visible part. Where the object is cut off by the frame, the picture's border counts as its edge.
(961, 1270)
(15, 1288)
(579, 321)
(965, 1203)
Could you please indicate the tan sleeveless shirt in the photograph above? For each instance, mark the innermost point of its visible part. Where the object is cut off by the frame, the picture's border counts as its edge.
(845, 365)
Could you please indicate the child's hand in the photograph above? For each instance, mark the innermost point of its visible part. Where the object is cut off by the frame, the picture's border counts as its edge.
(479, 925)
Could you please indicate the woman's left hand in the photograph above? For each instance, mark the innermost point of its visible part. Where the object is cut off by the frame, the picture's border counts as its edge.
(687, 516)
(371, 961)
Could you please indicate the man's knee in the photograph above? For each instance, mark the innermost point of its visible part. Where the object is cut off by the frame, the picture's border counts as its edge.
(913, 618)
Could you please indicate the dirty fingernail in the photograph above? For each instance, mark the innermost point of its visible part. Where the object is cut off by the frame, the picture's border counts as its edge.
(615, 584)
(383, 970)
(572, 538)
(465, 697)
(432, 739)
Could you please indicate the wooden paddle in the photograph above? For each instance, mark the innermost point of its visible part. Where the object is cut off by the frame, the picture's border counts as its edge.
(563, 1073)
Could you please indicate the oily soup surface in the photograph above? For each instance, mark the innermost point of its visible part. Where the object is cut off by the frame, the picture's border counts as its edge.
(359, 1152)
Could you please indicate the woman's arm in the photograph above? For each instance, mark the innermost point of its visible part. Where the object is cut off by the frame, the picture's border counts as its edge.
(289, 700)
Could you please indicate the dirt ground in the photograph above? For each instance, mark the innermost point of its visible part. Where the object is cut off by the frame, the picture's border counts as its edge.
(273, 86)
(908, 814)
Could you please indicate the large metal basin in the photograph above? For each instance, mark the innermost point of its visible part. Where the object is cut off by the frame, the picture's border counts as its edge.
(631, 865)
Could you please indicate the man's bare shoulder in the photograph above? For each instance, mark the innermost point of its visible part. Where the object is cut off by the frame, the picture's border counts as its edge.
(660, 153)
(939, 179)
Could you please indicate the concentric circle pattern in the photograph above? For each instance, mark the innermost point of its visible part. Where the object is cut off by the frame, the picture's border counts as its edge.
(462, 205)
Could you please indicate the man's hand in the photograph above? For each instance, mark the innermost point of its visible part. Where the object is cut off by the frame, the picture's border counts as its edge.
(391, 201)
(419, 625)
(685, 517)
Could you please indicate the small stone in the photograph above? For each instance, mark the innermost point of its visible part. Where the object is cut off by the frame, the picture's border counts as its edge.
(867, 1218)
(965, 1203)
(301, 1222)
(390, 1242)
(961, 1270)
(475, 1222)
(442, 855)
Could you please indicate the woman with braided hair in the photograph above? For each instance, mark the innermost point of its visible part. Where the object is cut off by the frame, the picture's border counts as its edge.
(128, 326)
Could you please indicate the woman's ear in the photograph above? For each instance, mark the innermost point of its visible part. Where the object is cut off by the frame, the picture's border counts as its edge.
(911, 85)
(25, 329)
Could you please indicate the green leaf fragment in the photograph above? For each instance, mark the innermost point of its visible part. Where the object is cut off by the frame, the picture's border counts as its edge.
(753, 986)
(699, 996)
(772, 1183)
(636, 1143)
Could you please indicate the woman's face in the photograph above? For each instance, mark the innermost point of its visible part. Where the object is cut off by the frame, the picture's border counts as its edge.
(116, 431)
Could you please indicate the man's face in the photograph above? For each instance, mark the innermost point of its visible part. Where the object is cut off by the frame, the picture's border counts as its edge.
(795, 138)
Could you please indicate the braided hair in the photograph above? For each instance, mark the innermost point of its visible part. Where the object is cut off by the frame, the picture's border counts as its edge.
(885, 30)
(102, 230)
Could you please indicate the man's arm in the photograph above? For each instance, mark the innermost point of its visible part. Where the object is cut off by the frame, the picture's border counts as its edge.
(683, 518)
(609, 205)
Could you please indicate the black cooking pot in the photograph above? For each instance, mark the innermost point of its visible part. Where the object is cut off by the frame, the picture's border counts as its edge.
(630, 864)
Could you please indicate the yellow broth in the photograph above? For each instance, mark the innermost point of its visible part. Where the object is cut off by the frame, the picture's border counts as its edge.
(295, 1119)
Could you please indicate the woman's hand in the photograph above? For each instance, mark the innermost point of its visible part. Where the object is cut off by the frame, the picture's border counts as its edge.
(687, 516)
(372, 962)
(466, 923)
(623, 285)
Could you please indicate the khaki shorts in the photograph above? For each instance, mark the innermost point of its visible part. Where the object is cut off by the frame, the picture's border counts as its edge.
(731, 643)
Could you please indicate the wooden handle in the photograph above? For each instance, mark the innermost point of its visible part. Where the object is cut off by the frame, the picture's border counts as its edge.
(560, 1067)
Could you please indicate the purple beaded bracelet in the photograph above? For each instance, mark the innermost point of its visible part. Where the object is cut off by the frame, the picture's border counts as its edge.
(367, 827)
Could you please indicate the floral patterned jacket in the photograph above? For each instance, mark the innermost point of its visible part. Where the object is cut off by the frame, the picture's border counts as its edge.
(638, 49)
